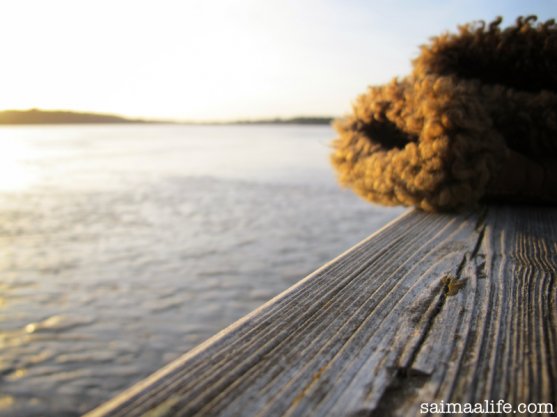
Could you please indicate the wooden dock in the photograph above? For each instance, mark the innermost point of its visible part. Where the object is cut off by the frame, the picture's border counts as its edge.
(433, 307)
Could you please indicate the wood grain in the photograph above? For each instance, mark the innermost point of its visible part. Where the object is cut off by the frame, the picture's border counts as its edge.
(434, 307)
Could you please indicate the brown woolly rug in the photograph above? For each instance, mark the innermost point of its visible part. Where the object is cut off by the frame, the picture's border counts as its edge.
(475, 120)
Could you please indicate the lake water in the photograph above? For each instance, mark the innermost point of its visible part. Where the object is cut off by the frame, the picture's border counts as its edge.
(123, 246)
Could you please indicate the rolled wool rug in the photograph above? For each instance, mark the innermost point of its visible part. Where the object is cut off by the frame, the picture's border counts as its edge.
(476, 119)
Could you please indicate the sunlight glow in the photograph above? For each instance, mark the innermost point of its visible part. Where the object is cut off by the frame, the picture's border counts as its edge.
(219, 59)
(15, 173)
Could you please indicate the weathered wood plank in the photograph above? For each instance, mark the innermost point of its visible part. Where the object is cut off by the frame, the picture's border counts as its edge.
(433, 307)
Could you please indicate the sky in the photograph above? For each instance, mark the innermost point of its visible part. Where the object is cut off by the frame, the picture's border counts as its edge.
(220, 59)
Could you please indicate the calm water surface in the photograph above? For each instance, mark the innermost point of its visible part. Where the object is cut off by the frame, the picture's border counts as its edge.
(123, 246)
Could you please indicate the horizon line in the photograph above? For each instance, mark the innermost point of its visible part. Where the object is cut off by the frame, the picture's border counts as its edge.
(119, 117)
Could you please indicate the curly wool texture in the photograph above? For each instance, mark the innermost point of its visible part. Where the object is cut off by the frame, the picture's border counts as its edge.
(438, 138)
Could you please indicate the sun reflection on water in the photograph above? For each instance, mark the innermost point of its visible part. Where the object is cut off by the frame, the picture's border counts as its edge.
(15, 171)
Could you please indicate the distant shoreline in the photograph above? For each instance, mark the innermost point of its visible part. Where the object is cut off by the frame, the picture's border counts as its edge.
(38, 117)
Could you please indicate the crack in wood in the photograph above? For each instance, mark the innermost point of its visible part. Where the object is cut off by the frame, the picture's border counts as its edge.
(450, 287)
(408, 378)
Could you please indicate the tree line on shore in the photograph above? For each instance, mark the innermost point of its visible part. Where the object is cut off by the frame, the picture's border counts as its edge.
(37, 116)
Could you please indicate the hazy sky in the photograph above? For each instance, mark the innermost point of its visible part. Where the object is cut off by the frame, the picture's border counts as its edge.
(219, 59)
